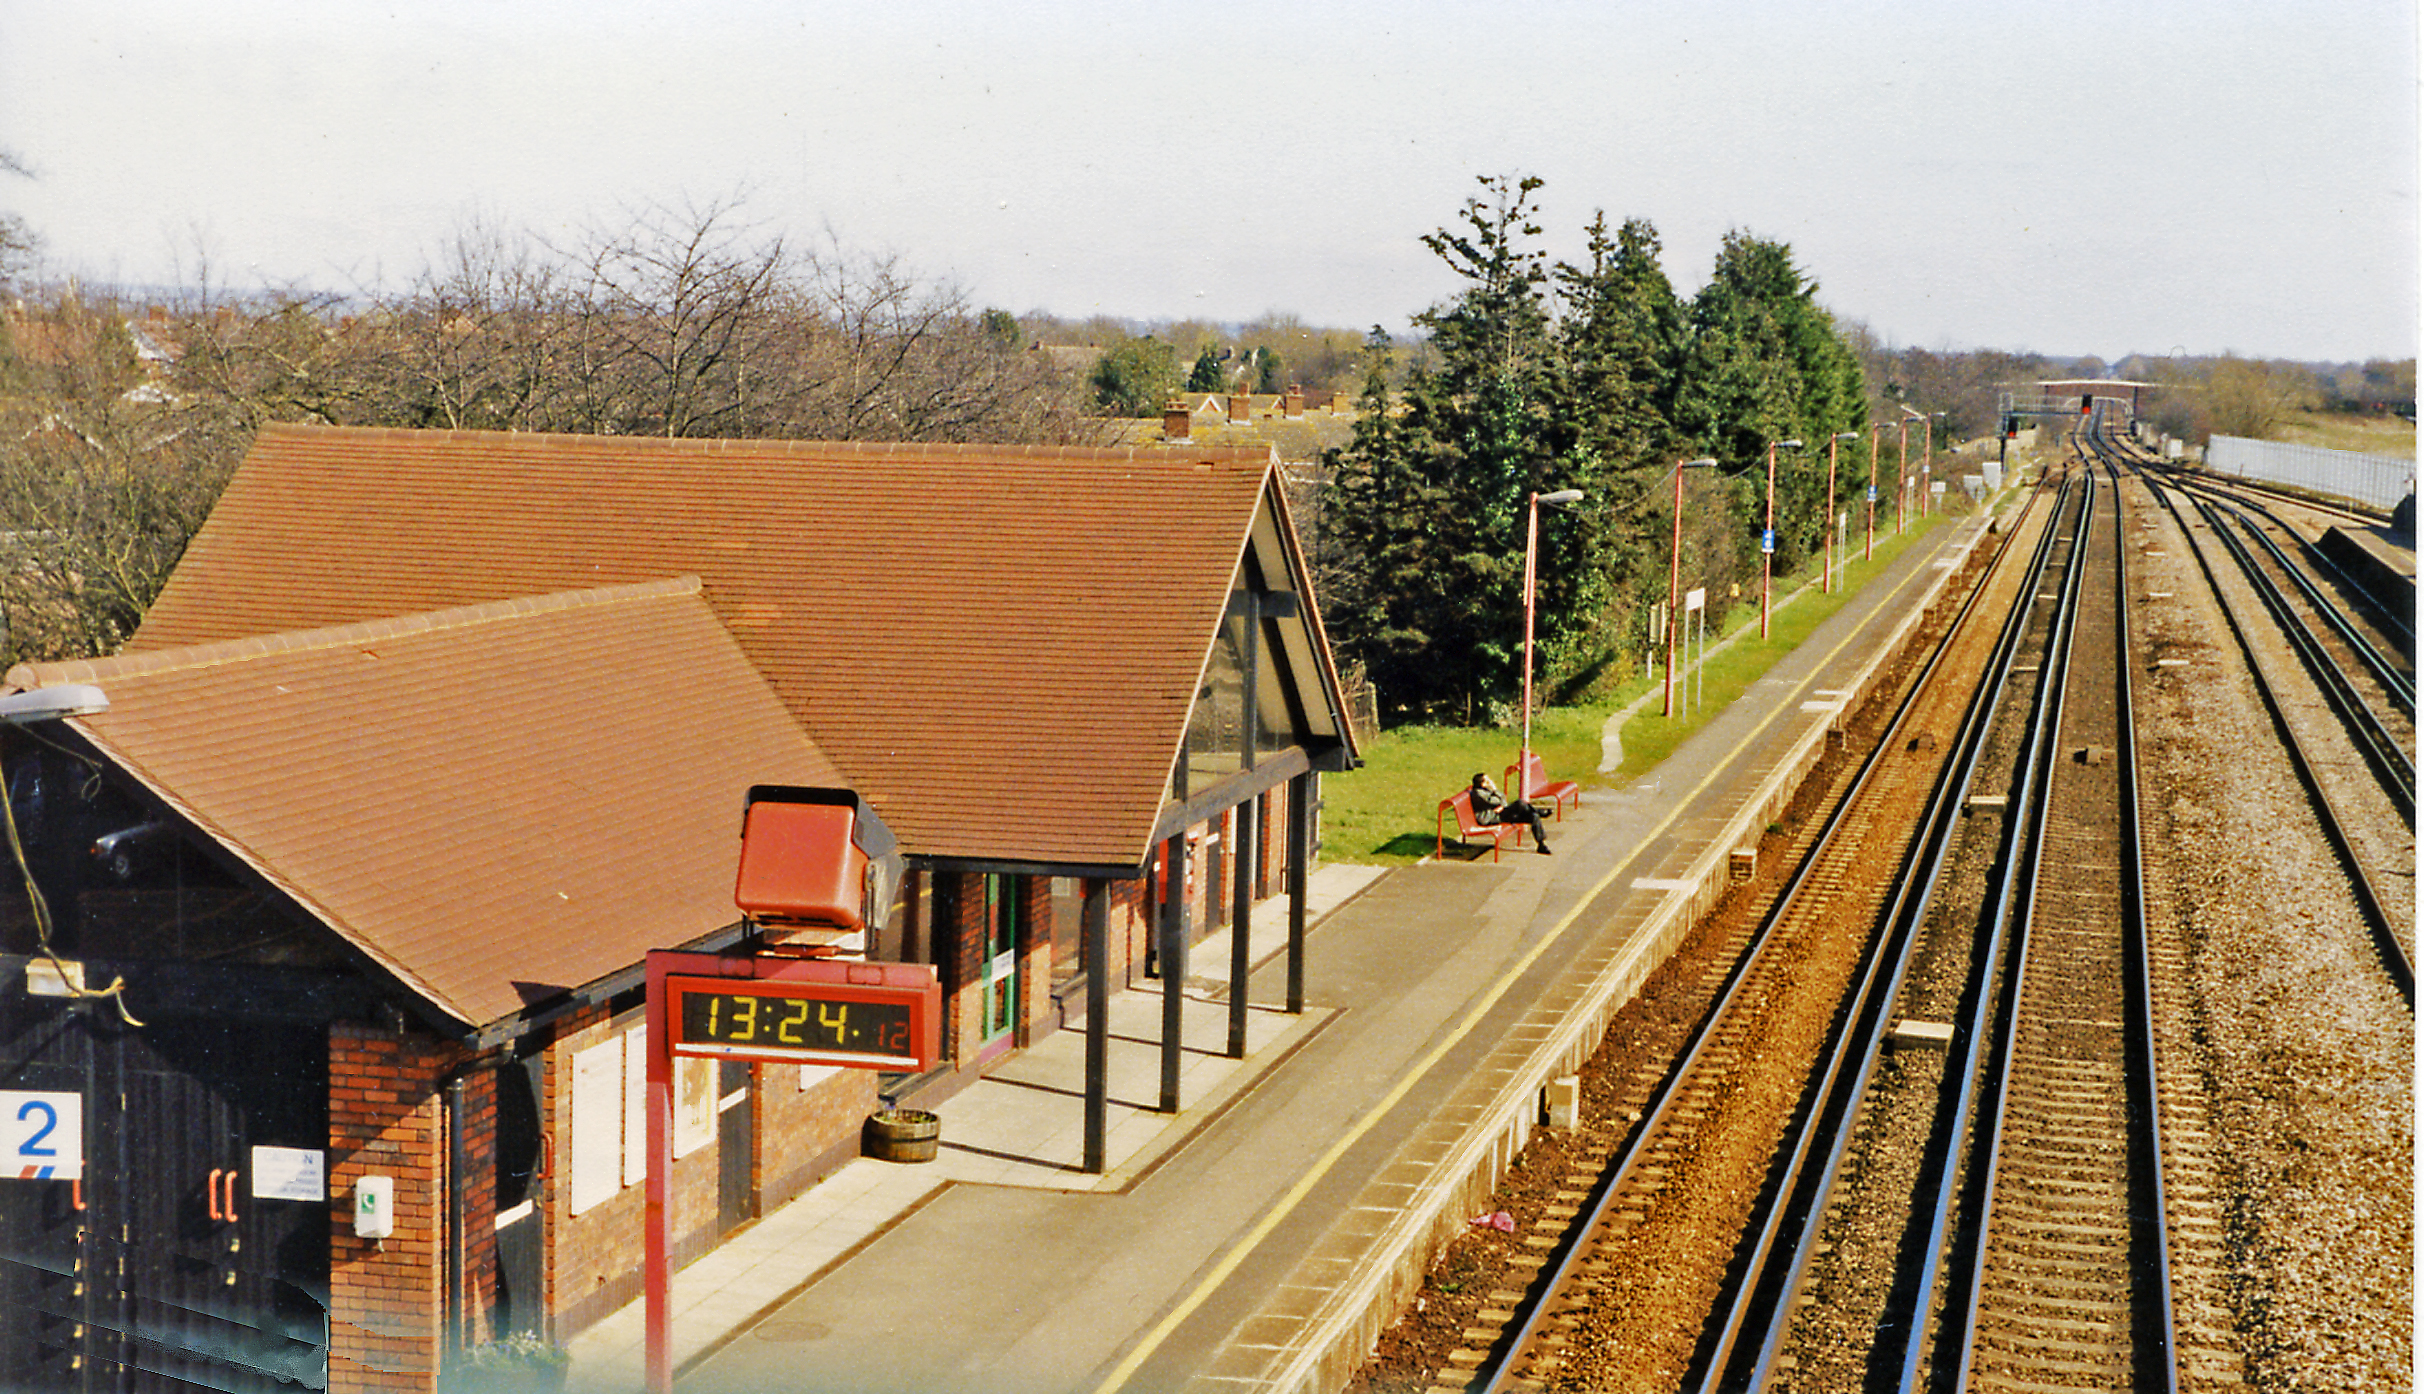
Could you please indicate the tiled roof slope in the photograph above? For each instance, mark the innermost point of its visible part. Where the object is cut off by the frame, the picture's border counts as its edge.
(999, 645)
(493, 802)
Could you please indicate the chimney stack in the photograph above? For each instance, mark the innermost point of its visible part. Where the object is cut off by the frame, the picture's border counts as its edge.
(1177, 421)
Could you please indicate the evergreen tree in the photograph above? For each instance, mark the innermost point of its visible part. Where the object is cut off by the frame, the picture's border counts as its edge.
(1601, 388)
(1269, 376)
(1135, 376)
(1764, 363)
(1205, 376)
(1378, 537)
(1621, 338)
(1479, 423)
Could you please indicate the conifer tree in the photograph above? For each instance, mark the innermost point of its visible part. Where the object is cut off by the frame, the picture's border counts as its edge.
(1593, 377)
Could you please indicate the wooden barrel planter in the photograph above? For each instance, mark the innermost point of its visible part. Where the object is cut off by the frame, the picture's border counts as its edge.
(902, 1135)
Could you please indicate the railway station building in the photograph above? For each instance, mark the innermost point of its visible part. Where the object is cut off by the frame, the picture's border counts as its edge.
(433, 736)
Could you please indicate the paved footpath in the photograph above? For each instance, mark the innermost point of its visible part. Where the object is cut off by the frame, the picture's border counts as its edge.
(1259, 1239)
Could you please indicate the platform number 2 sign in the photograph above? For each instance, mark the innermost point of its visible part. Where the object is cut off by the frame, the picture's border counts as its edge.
(41, 1136)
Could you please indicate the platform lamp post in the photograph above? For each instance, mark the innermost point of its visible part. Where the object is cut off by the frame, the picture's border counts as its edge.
(1869, 551)
(1827, 545)
(1675, 579)
(1927, 459)
(1902, 464)
(1531, 571)
(1767, 539)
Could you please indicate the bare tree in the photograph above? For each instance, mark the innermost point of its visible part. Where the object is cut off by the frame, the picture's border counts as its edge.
(105, 474)
(474, 342)
(18, 245)
(671, 311)
(2255, 399)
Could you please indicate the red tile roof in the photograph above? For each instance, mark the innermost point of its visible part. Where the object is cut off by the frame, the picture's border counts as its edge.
(493, 802)
(999, 645)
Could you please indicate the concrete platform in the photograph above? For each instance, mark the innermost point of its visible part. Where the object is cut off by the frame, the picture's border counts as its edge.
(1261, 1238)
(2379, 560)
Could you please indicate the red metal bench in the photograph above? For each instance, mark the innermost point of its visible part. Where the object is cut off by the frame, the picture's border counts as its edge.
(1539, 786)
(1469, 830)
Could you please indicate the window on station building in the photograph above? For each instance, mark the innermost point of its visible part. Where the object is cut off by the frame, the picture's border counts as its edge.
(1247, 699)
(1216, 728)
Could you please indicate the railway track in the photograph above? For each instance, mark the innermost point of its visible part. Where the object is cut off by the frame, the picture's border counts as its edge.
(2026, 1246)
(2348, 817)
(1937, 1131)
(2065, 1278)
(1691, 1175)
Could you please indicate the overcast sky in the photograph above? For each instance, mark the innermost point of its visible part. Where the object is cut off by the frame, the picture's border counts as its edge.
(2111, 177)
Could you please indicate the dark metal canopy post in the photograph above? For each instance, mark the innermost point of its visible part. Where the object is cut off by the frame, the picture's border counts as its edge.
(1300, 850)
(1173, 964)
(1241, 953)
(1094, 927)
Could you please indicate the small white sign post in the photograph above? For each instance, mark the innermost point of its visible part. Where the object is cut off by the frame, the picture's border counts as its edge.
(1696, 602)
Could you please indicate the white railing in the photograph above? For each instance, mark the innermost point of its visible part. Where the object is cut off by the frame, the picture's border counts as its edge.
(2378, 480)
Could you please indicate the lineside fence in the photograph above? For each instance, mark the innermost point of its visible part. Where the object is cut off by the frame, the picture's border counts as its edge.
(2378, 480)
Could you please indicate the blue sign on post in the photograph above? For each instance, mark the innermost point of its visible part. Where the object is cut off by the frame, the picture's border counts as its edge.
(1767, 540)
(1872, 493)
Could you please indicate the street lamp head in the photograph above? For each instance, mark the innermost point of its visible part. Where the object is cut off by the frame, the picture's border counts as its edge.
(1786, 444)
(1559, 499)
(52, 703)
(1847, 435)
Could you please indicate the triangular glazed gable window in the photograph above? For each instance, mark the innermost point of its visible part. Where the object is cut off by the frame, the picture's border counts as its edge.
(1249, 652)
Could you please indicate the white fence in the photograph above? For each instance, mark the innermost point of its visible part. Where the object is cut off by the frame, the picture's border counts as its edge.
(2379, 480)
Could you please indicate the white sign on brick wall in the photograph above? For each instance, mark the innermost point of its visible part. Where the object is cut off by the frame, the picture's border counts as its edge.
(289, 1173)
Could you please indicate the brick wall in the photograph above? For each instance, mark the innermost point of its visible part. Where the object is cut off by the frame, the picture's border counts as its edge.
(597, 1257)
(386, 1298)
(804, 1135)
(1271, 837)
(476, 1125)
(1035, 957)
(1131, 929)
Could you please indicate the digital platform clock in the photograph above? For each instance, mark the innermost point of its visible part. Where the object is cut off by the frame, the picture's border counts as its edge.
(822, 1021)
(794, 1021)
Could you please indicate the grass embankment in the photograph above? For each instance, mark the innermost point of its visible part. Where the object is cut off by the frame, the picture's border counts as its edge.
(1385, 813)
(2370, 435)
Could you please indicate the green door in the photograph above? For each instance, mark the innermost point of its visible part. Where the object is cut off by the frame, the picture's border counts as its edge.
(1001, 961)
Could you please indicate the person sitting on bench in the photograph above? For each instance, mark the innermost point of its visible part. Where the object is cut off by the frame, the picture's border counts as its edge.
(1490, 807)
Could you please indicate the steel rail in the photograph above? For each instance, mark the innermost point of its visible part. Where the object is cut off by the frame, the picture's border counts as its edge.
(2381, 750)
(2013, 884)
(1556, 1277)
(2401, 686)
(2394, 955)
(2375, 745)
(1764, 1289)
(2238, 492)
(2138, 971)
(2316, 558)
(1988, 1185)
